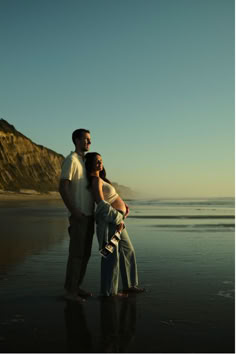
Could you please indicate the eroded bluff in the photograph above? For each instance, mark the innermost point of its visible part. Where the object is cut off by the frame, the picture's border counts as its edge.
(26, 165)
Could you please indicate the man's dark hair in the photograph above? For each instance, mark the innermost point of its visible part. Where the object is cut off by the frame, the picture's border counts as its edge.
(78, 134)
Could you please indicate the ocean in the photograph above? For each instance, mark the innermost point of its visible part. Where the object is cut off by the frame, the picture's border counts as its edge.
(185, 253)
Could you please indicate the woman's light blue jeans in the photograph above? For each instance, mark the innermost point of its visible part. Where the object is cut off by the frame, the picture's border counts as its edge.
(121, 262)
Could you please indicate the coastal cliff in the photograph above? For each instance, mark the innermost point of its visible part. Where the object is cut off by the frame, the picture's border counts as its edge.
(26, 165)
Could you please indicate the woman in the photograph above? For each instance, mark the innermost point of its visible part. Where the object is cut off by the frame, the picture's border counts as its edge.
(110, 213)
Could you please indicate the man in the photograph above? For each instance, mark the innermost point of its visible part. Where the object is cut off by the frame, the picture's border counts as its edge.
(79, 202)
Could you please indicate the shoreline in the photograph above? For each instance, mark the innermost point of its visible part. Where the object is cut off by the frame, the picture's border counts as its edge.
(28, 195)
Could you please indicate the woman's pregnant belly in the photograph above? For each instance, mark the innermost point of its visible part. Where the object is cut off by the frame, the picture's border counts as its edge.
(119, 204)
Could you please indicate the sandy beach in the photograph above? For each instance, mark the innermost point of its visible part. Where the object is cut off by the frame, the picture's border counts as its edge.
(28, 195)
(187, 269)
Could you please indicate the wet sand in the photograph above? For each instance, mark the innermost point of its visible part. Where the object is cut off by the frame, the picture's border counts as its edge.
(188, 306)
(28, 195)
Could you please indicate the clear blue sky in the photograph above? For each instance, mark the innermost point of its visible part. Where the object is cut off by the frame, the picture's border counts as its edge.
(152, 79)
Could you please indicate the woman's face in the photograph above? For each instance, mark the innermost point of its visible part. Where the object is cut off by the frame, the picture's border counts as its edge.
(97, 163)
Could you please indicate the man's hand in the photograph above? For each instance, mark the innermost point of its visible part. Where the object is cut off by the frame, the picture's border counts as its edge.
(120, 227)
(127, 210)
(78, 215)
(64, 189)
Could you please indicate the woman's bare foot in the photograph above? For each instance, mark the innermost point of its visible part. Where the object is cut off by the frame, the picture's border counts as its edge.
(134, 290)
(120, 295)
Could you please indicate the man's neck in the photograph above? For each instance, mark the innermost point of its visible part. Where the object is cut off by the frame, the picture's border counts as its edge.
(80, 153)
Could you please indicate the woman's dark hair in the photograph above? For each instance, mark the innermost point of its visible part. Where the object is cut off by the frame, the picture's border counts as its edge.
(89, 160)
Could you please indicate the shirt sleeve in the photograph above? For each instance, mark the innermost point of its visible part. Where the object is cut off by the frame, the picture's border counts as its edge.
(67, 169)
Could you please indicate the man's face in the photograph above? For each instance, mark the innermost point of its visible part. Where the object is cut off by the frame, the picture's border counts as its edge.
(84, 143)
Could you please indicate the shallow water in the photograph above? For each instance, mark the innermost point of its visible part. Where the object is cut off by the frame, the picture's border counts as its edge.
(185, 254)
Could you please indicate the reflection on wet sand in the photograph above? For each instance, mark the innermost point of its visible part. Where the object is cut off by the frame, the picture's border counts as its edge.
(189, 308)
(28, 230)
(117, 327)
(118, 324)
(79, 338)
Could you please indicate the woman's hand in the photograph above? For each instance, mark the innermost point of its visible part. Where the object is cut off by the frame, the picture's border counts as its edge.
(120, 227)
(127, 210)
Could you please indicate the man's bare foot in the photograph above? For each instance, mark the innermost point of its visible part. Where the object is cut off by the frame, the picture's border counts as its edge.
(84, 293)
(74, 297)
(113, 296)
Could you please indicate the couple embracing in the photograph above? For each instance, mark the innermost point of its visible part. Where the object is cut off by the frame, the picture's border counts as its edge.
(83, 181)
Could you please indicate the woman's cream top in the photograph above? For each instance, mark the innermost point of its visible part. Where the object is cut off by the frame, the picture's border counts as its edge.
(109, 192)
